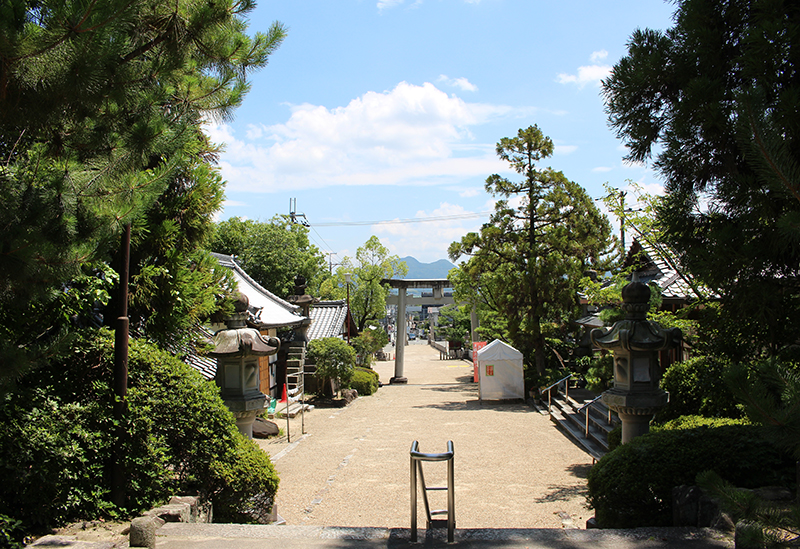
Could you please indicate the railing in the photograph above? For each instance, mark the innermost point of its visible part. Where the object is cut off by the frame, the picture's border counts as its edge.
(549, 388)
(587, 407)
(417, 458)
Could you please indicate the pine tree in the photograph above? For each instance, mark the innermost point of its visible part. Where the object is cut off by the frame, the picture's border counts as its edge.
(527, 261)
(100, 107)
(715, 101)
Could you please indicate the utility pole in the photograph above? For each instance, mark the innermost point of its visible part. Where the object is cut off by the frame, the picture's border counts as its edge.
(294, 216)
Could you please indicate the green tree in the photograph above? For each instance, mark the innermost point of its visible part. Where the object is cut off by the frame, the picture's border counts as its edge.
(174, 285)
(717, 96)
(368, 295)
(527, 261)
(273, 253)
(370, 341)
(454, 324)
(100, 110)
(335, 361)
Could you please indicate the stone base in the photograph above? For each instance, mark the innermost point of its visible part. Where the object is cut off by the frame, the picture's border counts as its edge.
(398, 381)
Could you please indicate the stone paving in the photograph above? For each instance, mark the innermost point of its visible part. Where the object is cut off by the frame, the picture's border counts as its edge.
(513, 468)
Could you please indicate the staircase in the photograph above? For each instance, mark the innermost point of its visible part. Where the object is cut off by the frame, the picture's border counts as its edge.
(581, 415)
(295, 381)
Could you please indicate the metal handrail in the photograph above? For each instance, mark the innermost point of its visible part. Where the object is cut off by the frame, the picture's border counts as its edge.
(587, 406)
(417, 458)
(566, 391)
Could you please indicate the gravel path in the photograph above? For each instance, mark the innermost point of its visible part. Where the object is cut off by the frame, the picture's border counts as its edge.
(513, 468)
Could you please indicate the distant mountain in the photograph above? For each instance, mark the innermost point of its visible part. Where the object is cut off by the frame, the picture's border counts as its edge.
(437, 269)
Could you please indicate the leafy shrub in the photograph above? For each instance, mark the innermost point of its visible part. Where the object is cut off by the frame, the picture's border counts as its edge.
(11, 533)
(365, 381)
(697, 387)
(600, 374)
(632, 485)
(57, 430)
(371, 340)
(334, 358)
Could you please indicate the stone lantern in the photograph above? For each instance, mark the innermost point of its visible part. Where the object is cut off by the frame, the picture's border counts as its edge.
(237, 349)
(635, 342)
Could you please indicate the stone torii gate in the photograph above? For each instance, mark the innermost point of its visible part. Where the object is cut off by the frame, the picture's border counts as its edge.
(402, 301)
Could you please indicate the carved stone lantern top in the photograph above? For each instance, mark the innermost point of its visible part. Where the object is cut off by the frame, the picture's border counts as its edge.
(635, 332)
(238, 339)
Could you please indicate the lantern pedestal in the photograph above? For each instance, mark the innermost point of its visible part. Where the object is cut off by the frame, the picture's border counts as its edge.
(635, 410)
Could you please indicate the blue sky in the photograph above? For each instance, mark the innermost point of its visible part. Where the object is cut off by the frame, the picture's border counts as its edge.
(389, 110)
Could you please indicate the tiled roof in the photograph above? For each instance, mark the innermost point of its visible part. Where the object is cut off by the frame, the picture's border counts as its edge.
(266, 309)
(327, 319)
(672, 283)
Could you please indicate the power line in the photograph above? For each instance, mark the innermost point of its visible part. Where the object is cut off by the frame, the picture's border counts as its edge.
(456, 217)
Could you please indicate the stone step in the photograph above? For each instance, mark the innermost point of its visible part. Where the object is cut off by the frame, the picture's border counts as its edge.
(294, 409)
(242, 536)
(575, 432)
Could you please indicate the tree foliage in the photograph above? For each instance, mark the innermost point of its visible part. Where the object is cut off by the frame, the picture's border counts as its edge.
(100, 107)
(334, 358)
(454, 324)
(370, 266)
(370, 341)
(718, 97)
(527, 261)
(273, 252)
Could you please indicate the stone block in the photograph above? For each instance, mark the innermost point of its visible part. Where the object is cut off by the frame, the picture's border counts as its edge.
(143, 532)
(172, 512)
(192, 501)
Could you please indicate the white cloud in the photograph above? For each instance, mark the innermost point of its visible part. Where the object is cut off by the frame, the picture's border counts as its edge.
(411, 135)
(602, 169)
(427, 241)
(461, 83)
(384, 4)
(469, 192)
(589, 74)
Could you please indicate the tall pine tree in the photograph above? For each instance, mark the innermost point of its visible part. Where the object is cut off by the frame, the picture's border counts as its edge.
(527, 261)
(100, 107)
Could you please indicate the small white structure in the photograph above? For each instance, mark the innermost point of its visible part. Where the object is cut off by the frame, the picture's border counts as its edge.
(500, 372)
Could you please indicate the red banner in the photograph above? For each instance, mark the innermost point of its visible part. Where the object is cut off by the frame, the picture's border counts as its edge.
(476, 346)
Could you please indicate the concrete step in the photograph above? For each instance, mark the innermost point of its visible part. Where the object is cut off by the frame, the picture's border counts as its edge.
(241, 536)
(575, 432)
(294, 409)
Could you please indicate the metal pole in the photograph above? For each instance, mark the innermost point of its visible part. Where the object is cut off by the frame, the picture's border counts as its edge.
(451, 494)
(121, 374)
(413, 493)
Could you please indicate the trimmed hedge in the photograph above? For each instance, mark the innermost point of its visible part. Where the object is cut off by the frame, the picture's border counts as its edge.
(365, 381)
(697, 387)
(632, 485)
(57, 430)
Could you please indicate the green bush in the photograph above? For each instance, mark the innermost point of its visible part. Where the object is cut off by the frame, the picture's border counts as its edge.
(600, 373)
(697, 387)
(632, 485)
(365, 381)
(11, 533)
(369, 342)
(334, 358)
(56, 433)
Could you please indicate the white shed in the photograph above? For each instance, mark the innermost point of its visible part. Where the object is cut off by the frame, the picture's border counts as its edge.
(500, 372)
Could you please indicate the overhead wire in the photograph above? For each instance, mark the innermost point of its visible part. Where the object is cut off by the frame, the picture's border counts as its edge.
(456, 217)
